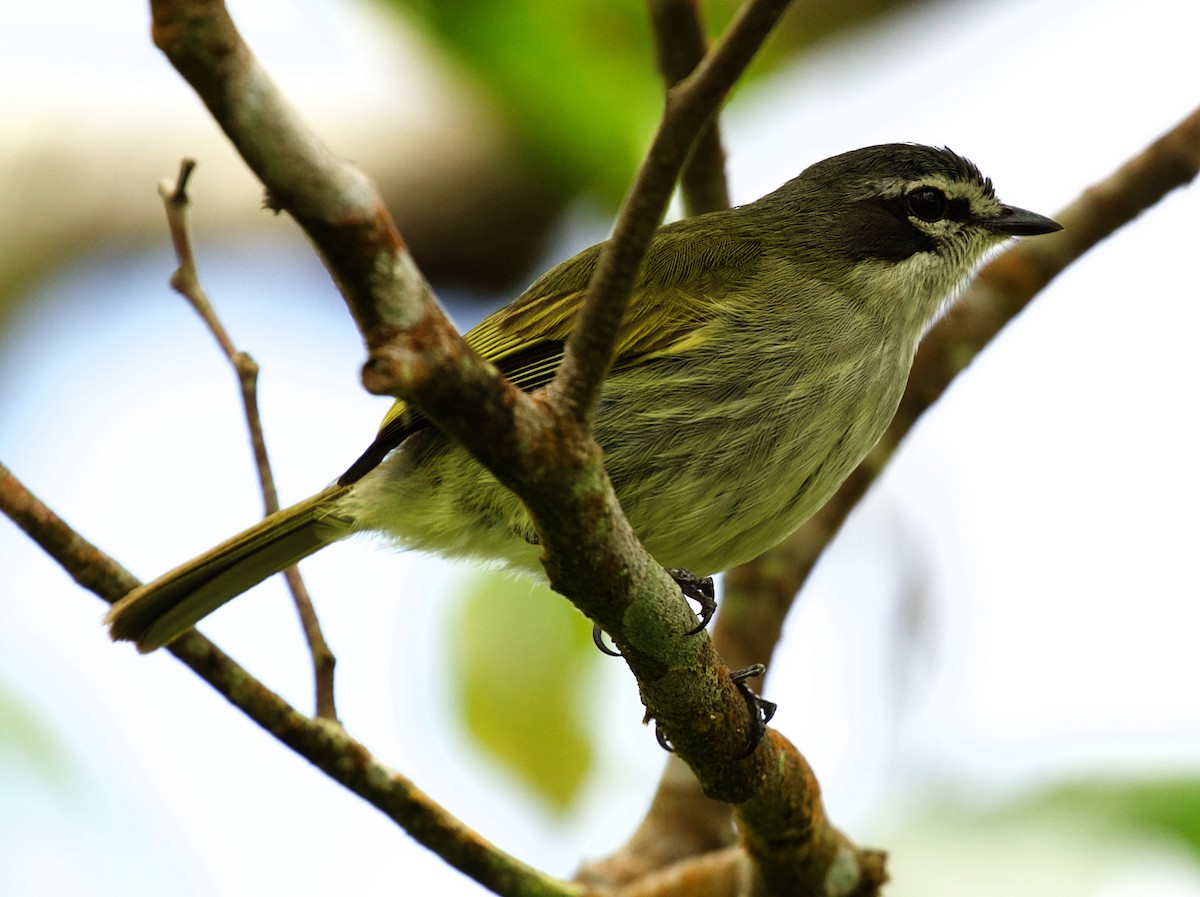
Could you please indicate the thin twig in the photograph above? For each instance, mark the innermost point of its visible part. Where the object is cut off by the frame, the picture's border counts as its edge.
(186, 282)
(322, 742)
(680, 43)
(413, 350)
(690, 105)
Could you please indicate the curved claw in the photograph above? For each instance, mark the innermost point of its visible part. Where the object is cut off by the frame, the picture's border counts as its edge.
(662, 740)
(761, 710)
(698, 589)
(598, 641)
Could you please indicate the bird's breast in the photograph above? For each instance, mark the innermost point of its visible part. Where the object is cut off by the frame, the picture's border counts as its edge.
(722, 459)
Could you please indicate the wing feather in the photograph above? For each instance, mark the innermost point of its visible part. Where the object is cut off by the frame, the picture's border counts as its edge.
(682, 271)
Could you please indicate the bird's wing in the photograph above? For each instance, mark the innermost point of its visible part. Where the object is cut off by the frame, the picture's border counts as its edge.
(670, 301)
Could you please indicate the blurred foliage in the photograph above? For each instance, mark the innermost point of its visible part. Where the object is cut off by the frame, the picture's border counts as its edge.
(520, 657)
(1169, 806)
(1096, 837)
(577, 81)
(27, 742)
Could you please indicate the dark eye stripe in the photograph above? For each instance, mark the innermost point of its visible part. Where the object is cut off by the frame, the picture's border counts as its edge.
(879, 228)
(958, 210)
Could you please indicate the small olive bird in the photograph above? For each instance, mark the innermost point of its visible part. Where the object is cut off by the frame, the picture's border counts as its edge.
(764, 350)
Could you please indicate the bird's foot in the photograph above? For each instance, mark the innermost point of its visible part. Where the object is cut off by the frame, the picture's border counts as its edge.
(760, 709)
(700, 590)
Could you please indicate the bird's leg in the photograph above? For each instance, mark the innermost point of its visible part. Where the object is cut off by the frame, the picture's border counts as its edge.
(700, 590)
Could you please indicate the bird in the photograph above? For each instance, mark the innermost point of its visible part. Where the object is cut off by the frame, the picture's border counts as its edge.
(763, 353)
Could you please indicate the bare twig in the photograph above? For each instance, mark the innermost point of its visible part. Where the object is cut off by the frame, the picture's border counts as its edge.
(680, 44)
(323, 658)
(691, 103)
(87, 564)
(324, 743)
(186, 282)
(413, 350)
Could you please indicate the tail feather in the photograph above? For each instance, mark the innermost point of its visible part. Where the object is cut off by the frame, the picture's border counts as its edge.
(160, 611)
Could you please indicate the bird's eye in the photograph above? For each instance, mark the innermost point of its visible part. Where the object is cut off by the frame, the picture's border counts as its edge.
(928, 204)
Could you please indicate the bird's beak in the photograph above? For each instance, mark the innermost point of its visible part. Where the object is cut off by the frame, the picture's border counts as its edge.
(1016, 222)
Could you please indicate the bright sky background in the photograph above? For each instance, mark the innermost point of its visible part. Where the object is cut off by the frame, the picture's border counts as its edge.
(1045, 511)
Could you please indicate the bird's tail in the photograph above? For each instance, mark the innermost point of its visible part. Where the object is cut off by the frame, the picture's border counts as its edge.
(160, 611)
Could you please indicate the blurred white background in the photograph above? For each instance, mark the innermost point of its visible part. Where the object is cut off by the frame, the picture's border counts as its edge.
(1012, 608)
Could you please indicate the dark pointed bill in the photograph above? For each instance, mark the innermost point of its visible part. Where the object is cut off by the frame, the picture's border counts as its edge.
(1020, 223)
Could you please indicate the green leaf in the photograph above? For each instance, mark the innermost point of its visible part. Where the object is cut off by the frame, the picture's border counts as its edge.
(521, 656)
